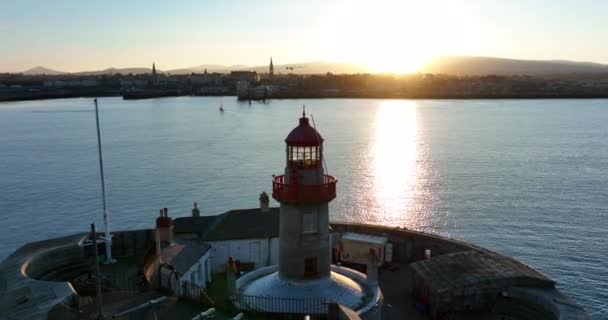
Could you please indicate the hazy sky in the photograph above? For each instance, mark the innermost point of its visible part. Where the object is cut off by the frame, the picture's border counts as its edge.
(75, 35)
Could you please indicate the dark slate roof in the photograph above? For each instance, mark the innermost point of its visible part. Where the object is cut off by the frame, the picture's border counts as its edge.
(451, 272)
(245, 224)
(183, 254)
(200, 225)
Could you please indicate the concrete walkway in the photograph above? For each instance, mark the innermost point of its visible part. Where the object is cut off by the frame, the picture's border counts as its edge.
(395, 287)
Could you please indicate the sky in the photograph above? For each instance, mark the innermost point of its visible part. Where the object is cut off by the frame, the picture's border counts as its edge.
(383, 35)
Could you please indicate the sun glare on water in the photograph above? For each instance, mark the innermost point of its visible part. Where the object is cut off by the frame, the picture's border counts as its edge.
(395, 156)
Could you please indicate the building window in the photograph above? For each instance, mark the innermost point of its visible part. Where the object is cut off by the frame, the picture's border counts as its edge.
(310, 222)
(200, 274)
(310, 267)
(192, 279)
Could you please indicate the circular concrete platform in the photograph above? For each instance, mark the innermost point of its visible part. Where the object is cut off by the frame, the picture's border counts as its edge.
(265, 290)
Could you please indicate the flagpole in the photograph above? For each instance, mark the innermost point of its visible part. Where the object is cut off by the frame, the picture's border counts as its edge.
(106, 219)
(97, 273)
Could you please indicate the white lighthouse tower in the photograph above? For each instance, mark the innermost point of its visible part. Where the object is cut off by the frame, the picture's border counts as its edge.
(305, 282)
(304, 192)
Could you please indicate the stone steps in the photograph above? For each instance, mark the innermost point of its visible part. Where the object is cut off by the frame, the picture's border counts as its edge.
(66, 272)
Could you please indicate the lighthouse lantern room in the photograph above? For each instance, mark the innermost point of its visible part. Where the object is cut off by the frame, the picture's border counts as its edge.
(304, 180)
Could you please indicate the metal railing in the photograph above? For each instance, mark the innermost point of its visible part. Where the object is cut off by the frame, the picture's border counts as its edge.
(280, 307)
(191, 291)
(324, 191)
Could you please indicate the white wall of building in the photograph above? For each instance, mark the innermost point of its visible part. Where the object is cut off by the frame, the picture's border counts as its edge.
(200, 272)
(262, 252)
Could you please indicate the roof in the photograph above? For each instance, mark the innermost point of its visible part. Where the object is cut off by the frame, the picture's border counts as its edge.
(201, 225)
(183, 254)
(304, 135)
(450, 272)
(364, 238)
(231, 225)
(245, 224)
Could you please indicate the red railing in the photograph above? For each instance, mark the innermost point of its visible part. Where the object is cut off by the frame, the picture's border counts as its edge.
(324, 191)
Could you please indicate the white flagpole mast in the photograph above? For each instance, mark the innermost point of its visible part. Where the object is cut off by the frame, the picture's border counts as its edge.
(106, 219)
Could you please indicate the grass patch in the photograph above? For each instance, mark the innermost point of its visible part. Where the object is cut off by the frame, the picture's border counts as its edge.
(218, 291)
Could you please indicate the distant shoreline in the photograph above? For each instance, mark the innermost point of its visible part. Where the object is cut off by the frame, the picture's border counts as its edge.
(33, 97)
(30, 97)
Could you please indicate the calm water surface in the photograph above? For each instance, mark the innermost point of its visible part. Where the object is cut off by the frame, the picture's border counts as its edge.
(527, 178)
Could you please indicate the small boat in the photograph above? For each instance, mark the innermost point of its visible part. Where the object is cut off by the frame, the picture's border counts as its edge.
(222, 105)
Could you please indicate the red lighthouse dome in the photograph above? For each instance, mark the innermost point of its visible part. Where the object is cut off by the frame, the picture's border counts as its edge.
(304, 135)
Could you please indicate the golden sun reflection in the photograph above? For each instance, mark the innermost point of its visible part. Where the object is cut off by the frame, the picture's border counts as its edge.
(395, 156)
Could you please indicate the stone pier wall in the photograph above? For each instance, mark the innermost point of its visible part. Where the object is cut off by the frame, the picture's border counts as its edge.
(409, 245)
(49, 264)
(133, 243)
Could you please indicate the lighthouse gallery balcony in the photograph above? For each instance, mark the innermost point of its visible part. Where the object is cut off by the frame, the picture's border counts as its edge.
(324, 191)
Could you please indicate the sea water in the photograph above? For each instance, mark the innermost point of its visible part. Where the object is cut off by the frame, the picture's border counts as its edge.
(527, 178)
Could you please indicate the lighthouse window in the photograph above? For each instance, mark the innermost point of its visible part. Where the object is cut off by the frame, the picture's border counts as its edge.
(307, 156)
(310, 223)
(313, 153)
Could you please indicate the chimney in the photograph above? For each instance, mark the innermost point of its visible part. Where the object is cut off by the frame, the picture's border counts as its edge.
(264, 202)
(164, 230)
(195, 212)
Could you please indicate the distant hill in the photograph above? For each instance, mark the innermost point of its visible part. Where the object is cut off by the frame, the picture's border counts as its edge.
(42, 70)
(456, 65)
(462, 65)
(316, 68)
(46, 71)
(209, 67)
(114, 71)
(296, 68)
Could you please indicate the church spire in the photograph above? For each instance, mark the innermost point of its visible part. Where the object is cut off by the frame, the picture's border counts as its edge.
(271, 69)
(154, 76)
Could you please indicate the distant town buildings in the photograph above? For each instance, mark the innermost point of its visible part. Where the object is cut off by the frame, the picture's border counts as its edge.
(250, 85)
(207, 79)
(67, 83)
(248, 76)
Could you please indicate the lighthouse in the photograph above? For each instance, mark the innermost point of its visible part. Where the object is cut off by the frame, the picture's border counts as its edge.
(304, 281)
(304, 191)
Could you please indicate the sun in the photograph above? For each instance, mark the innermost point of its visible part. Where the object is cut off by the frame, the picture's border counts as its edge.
(389, 36)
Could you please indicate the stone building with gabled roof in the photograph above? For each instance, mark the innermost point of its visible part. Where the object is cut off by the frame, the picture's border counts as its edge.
(248, 235)
(179, 260)
(469, 280)
(184, 261)
(245, 224)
